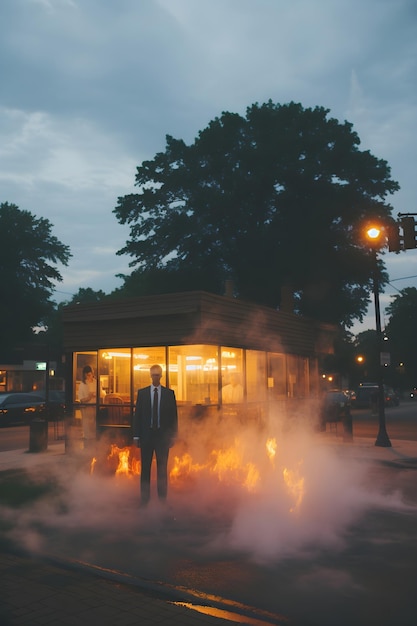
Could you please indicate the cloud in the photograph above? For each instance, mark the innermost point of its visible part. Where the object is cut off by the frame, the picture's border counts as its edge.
(90, 89)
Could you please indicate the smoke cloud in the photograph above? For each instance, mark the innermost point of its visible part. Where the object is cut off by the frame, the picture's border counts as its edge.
(268, 492)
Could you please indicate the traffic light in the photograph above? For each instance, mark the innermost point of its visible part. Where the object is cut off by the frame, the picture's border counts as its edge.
(394, 242)
(409, 233)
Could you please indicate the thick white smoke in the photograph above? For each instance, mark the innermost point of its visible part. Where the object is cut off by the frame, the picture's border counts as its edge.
(293, 499)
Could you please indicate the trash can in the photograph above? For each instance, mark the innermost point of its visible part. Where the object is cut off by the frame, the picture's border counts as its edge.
(38, 435)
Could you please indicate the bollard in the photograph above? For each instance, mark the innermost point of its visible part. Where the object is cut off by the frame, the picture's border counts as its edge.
(38, 436)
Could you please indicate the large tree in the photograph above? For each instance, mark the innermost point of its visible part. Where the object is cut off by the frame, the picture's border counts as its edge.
(29, 254)
(402, 336)
(270, 200)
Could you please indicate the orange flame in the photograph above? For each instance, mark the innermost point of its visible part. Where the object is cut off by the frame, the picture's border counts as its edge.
(184, 467)
(227, 465)
(93, 464)
(271, 448)
(295, 485)
(128, 464)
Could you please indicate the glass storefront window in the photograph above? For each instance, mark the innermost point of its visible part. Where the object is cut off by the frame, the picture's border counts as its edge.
(143, 359)
(255, 376)
(277, 376)
(298, 379)
(313, 377)
(193, 373)
(3, 380)
(205, 378)
(81, 360)
(232, 375)
(114, 373)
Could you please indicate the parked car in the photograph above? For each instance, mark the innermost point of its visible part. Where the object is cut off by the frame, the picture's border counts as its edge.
(335, 407)
(367, 396)
(391, 397)
(56, 406)
(16, 407)
(351, 393)
(413, 393)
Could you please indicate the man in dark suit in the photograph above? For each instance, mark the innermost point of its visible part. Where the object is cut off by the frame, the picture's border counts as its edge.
(155, 428)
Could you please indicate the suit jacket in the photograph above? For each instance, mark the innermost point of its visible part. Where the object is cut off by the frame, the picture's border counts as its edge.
(168, 415)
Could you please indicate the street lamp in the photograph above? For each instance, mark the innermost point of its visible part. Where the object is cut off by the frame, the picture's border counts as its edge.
(374, 235)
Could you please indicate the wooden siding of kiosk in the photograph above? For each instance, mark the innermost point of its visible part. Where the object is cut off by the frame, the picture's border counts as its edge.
(194, 317)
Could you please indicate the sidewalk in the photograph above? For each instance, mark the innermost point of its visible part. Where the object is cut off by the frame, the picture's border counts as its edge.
(401, 451)
(36, 590)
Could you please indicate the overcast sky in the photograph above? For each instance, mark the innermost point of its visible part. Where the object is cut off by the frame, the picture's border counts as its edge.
(90, 88)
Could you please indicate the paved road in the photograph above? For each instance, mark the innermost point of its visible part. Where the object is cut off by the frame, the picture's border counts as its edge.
(401, 422)
(17, 437)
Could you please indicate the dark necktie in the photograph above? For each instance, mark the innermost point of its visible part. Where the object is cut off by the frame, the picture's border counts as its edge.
(155, 409)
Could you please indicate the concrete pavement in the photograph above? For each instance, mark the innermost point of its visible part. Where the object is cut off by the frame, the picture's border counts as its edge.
(41, 590)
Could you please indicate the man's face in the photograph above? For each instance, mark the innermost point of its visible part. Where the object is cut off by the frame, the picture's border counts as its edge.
(156, 376)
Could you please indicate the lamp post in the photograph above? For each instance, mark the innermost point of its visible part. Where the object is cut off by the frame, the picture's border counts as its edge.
(374, 235)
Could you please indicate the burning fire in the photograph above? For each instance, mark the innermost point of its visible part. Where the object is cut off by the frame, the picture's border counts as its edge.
(226, 465)
(128, 463)
(295, 485)
(93, 464)
(271, 448)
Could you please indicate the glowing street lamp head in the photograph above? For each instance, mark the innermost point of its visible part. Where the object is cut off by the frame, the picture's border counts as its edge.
(373, 233)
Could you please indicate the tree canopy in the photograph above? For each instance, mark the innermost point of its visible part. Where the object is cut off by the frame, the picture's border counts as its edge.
(29, 254)
(402, 336)
(270, 200)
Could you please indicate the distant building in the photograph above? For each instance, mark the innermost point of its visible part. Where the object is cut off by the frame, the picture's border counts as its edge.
(28, 367)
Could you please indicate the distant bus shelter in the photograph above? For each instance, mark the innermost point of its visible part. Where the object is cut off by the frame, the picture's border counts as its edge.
(219, 354)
